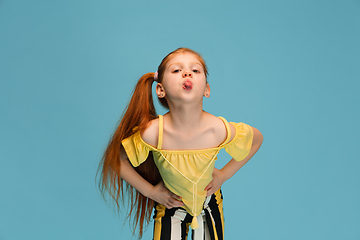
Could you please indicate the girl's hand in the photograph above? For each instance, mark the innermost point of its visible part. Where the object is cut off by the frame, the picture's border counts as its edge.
(218, 180)
(220, 176)
(163, 196)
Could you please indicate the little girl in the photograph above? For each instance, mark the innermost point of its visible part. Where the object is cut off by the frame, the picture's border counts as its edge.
(167, 162)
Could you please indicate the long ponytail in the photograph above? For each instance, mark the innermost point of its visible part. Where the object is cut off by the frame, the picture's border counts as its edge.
(139, 112)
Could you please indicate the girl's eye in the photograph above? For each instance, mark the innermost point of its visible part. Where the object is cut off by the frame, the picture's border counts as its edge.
(196, 71)
(176, 71)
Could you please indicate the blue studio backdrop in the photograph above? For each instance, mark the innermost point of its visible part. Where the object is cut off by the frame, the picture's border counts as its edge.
(288, 68)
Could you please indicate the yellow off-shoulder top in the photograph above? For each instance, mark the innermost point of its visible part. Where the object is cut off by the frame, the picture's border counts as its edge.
(186, 173)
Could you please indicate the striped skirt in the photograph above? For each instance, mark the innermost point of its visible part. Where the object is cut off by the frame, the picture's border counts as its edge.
(174, 224)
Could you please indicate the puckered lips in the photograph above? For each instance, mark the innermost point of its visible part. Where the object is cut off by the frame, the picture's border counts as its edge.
(188, 85)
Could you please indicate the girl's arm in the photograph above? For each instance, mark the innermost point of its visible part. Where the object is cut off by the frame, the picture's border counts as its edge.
(220, 176)
(159, 193)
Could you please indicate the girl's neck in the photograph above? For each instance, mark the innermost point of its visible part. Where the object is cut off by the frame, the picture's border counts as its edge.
(186, 118)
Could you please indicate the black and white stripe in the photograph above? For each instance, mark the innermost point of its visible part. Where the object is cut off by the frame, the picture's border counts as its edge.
(173, 224)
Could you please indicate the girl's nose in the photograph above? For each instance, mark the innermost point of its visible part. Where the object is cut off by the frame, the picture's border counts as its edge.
(187, 74)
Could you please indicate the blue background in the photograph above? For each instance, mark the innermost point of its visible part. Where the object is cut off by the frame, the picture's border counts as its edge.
(289, 68)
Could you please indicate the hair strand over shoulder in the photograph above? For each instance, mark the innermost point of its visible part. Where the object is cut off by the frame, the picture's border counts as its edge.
(139, 112)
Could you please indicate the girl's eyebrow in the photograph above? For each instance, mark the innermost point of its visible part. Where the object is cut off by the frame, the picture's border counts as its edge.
(190, 63)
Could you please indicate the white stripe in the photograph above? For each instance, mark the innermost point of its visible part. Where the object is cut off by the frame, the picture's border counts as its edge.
(199, 232)
(176, 220)
(202, 233)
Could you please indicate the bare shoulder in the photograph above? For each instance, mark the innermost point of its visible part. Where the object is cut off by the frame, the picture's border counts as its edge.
(220, 128)
(151, 133)
(217, 127)
(233, 131)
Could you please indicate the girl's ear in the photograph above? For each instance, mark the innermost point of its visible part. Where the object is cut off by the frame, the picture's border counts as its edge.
(207, 91)
(160, 91)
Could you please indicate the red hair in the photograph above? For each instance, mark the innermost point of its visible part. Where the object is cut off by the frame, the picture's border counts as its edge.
(139, 112)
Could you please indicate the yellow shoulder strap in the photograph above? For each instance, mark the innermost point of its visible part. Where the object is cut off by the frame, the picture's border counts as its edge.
(161, 127)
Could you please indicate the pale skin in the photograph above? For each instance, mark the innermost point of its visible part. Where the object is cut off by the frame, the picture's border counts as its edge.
(186, 126)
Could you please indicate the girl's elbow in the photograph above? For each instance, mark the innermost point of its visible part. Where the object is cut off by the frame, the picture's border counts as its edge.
(257, 137)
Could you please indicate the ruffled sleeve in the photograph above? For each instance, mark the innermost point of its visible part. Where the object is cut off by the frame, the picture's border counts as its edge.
(137, 151)
(239, 147)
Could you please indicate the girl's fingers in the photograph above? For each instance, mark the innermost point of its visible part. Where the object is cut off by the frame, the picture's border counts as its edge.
(176, 201)
(210, 191)
(173, 200)
(208, 186)
(176, 197)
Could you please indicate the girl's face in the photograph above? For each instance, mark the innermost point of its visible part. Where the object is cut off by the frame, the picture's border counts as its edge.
(184, 79)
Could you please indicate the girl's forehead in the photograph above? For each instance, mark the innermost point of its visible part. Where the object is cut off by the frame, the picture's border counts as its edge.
(184, 58)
